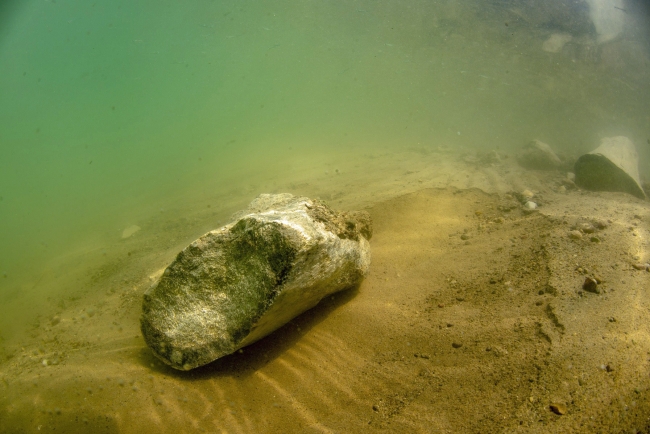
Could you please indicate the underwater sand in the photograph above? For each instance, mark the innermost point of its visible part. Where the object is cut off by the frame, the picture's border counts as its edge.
(482, 334)
(169, 118)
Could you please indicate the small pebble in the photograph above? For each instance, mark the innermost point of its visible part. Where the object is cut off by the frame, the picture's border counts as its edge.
(456, 345)
(600, 224)
(591, 285)
(557, 408)
(586, 228)
(575, 235)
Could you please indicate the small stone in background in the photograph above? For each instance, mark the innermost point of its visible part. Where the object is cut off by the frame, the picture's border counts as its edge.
(559, 409)
(527, 194)
(591, 285)
(575, 235)
(613, 166)
(556, 42)
(538, 155)
(587, 228)
(600, 224)
(130, 231)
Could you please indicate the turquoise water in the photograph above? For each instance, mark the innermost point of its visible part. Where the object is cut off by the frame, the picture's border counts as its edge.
(115, 113)
(108, 109)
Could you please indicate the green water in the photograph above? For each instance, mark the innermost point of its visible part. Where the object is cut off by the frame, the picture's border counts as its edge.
(113, 113)
(173, 115)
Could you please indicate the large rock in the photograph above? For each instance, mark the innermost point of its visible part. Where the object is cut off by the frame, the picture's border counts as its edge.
(613, 166)
(237, 284)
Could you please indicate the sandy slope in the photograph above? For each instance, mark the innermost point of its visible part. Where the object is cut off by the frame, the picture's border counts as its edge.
(472, 319)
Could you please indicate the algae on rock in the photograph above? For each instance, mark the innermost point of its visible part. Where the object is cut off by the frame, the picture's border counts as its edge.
(236, 284)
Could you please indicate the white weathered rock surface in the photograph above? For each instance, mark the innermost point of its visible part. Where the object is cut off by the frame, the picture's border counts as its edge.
(237, 284)
(608, 17)
(613, 166)
(556, 42)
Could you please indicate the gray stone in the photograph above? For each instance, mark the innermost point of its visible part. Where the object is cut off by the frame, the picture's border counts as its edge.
(237, 284)
(613, 166)
(539, 156)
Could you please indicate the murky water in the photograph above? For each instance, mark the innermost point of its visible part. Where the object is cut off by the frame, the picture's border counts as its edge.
(170, 116)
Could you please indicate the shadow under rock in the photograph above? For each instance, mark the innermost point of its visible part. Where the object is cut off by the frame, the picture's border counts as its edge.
(251, 358)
